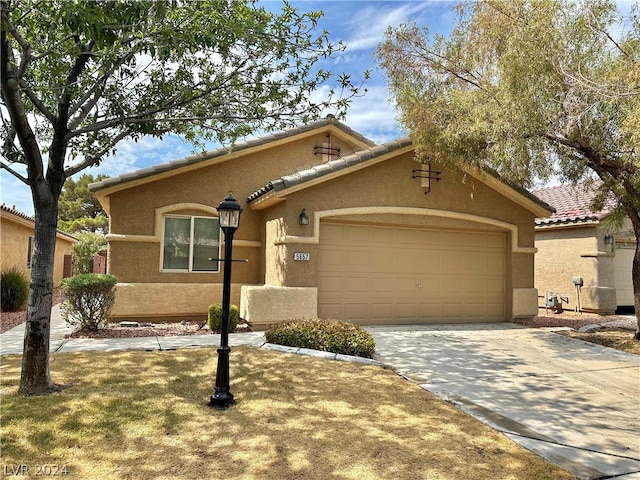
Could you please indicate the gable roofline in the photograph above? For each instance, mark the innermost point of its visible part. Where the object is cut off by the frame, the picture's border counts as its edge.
(277, 190)
(138, 177)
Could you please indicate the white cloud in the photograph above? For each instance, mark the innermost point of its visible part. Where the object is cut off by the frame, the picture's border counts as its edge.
(15, 193)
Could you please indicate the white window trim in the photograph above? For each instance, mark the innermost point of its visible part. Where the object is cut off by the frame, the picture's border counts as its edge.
(191, 229)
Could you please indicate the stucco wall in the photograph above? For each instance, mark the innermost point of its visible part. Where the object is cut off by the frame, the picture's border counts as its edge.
(564, 253)
(15, 233)
(15, 244)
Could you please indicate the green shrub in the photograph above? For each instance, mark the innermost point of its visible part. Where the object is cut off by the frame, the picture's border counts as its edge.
(87, 299)
(88, 246)
(15, 289)
(334, 336)
(215, 317)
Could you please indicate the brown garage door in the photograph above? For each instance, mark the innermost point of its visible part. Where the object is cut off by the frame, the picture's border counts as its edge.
(373, 275)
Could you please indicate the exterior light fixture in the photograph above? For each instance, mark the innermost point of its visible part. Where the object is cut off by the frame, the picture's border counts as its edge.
(608, 241)
(304, 219)
(229, 216)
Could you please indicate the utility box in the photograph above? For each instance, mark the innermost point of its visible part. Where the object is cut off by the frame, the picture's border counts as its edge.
(551, 300)
(577, 281)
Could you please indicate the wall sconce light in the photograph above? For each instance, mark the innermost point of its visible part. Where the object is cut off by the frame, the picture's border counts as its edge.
(304, 219)
(608, 240)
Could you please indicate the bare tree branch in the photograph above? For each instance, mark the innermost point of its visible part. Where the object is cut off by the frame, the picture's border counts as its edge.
(14, 173)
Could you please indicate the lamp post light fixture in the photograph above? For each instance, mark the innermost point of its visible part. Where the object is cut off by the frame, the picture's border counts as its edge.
(229, 212)
(304, 218)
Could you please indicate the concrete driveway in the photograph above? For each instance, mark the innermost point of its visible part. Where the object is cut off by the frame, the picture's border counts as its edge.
(574, 403)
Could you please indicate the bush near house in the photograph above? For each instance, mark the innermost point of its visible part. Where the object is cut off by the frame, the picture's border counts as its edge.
(215, 317)
(330, 335)
(87, 299)
(14, 288)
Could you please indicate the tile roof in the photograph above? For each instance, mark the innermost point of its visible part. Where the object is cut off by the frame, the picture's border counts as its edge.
(15, 212)
(323, 169)
(219, 152)
(12, 210)
(573, 204)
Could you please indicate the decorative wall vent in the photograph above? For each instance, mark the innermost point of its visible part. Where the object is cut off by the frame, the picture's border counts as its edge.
(425, 174)
(327, 151)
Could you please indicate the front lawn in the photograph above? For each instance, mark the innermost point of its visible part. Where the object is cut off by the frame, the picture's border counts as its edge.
(144, 415)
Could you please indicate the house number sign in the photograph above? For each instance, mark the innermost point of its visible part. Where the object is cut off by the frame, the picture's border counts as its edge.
(301, 257)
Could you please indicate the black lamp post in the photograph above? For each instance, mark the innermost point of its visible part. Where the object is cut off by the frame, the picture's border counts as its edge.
(229, 215)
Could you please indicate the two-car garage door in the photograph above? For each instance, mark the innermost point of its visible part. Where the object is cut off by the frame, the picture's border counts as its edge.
(373, 274)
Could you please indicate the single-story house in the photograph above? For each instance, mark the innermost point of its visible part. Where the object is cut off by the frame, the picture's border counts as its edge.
(576, 242)
(17, 231)
(334, 226)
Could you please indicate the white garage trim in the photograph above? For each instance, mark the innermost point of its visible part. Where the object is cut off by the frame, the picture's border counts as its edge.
(317, 216)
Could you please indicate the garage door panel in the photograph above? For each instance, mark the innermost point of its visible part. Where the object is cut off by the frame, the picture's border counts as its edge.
(332, 257)
(331, 310)
(412, 275)
(496, 311)
(356, 258)
(356, 235)
(381, 260)
(380, 312)
(358, 311)
(357, 285)
(331, 284)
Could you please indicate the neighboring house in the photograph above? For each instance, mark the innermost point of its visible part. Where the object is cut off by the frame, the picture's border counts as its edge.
(576, 242)
(381, 245)
(17, 230)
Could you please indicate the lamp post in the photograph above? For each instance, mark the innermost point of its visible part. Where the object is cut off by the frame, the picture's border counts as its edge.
(229, 215)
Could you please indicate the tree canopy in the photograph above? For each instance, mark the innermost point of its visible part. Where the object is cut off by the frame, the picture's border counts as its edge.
(78, 77)
(530, 89)
(79, 210)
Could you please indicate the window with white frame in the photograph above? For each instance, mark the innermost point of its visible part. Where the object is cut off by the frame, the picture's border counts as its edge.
(189, 242)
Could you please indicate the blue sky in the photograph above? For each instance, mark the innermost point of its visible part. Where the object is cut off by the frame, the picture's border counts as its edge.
(359, 24)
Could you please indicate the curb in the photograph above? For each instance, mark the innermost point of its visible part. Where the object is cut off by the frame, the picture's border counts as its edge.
(320, 354)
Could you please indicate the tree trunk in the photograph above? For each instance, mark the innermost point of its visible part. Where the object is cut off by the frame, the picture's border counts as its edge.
(35, 378)
(635, 276)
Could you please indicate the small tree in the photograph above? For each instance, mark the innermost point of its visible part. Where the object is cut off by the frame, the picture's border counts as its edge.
(88, 246)
(88, 299)
(80, 211)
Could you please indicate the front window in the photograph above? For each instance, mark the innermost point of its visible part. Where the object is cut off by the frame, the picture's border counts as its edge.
(189, 244)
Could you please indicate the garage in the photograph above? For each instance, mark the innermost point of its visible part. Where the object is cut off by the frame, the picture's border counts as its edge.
(373, 274)
(622, 264)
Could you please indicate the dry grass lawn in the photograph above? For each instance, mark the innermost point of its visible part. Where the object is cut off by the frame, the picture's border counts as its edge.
(619, 339)
(143, 415)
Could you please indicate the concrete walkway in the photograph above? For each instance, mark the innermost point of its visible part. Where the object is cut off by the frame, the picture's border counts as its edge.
(574, 403)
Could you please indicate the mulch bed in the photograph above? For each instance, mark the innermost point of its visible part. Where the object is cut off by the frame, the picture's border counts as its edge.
(568, 318)
(546, 318)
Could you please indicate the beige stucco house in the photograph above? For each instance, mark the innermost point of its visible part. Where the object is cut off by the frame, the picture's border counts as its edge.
(383, 243)
(16, 231)
(576, 242)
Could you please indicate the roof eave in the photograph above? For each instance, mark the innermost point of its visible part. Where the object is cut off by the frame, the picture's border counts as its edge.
(220, 155)
(528, 201)
(276, 196)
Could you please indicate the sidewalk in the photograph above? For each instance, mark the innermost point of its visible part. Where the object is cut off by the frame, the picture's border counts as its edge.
(11, 342)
